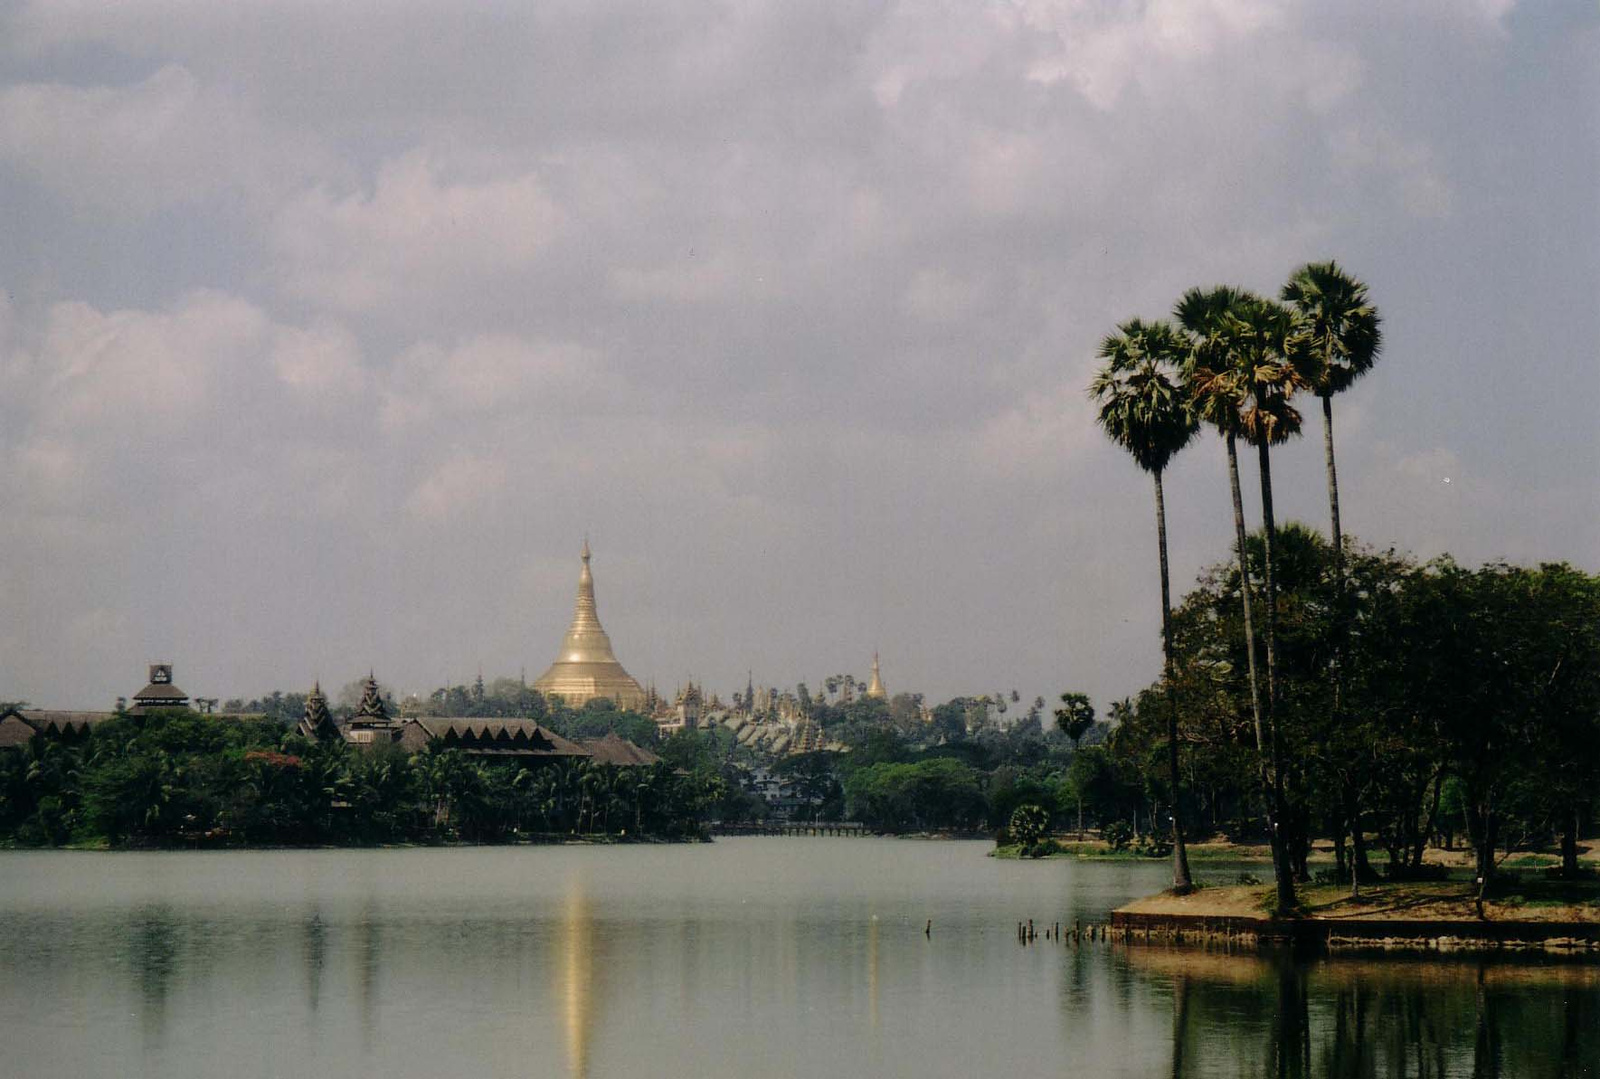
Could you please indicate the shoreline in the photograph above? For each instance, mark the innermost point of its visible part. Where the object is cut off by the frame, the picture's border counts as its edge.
(1404, 916)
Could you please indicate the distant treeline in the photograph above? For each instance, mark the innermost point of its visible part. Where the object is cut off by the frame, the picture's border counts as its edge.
(174, 778)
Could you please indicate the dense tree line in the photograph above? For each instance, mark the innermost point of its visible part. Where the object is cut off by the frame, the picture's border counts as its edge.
(176, 777)
(1467, 704)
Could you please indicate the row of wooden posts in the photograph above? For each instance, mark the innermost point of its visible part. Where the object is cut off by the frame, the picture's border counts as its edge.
(1075, 933)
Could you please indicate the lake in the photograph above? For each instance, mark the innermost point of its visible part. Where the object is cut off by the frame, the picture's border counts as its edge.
(799, 957)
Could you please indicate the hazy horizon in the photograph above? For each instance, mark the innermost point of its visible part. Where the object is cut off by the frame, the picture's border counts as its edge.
(325, 337)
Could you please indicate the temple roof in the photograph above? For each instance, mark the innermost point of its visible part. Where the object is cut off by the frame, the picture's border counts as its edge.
(497, 737)
(586, 667)
(614, 749)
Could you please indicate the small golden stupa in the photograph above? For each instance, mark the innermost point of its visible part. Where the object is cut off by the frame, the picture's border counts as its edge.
(586, 667)
(875, 689)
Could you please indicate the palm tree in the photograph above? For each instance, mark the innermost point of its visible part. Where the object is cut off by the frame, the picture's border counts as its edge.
(1144, 409)
(1341, 331)
(1272, 367)
(1220, 389)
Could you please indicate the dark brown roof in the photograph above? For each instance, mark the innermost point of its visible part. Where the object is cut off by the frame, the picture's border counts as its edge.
(499, 737)
(47, 722)
(156, 692)
(14, 731)
(614, 749)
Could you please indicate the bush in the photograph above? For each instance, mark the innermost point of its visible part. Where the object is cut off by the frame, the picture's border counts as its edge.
(1042, 849)
(1029, 824)
(1117, 834)
(1247, 878)
(1154, 846)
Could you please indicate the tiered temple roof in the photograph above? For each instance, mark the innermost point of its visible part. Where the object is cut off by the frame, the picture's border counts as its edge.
(586, 667)
(160, 693)
(317, 722)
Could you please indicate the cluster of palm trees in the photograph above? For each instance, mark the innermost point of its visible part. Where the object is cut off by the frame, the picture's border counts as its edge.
(1235, 361)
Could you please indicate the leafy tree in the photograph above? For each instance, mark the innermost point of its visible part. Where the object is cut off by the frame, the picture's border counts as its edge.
(1028, 824)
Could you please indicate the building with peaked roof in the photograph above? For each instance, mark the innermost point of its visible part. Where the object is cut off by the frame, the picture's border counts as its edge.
(522, 739)
(371, 725)
(875, 687)
(617, 751)
(317, 722)
(18, 726)
(160, 693)
(586, 667)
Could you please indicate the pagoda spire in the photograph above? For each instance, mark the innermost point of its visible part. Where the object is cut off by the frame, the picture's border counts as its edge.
(317, 722)
(371, 707)
(875, 688)
(586, 667)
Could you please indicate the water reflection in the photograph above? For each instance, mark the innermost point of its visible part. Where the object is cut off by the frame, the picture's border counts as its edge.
(576, 987)
(153, 937)
(315, 950)
(1364, 1018)
(369, 947)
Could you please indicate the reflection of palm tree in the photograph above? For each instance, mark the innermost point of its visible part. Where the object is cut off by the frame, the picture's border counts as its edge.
(1180, 1022)
(1144, 409)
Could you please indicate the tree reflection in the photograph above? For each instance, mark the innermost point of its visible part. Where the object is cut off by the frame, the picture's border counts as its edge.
(154, 946)
(1347, 1018)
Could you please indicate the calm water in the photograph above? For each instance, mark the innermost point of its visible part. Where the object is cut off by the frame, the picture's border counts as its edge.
(747, 957)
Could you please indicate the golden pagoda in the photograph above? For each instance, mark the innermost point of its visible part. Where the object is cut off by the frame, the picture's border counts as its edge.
(875, 688)
(586, 667)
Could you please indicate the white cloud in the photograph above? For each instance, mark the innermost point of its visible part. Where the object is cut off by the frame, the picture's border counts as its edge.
(461, 485)
(141, 368)
(164, 140)
(322, 362)
(413, 233)
(494, 373)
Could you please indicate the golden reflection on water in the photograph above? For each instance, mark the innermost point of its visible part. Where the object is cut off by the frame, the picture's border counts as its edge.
(872, 973)
(576, 974)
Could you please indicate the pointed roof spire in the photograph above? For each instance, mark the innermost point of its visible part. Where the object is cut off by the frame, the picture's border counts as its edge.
(371, 706)
(875, 689)
(316, 722)
(586, 667)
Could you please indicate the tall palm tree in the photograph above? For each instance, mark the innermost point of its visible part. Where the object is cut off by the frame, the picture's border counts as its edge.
(1342, 332)
(1221, 391)
(1273, 365)
(1144, 409)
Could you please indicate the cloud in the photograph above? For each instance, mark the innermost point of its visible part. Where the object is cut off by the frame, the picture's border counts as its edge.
(143, 368)
(414, 232)
(461, 484)
(494, 373)
(321, 362)
(162, 141)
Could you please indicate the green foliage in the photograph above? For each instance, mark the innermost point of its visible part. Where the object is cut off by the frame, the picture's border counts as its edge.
(931, 795)
(1075, 716)
(176, 778)
(1117, 835)
(1029, 823)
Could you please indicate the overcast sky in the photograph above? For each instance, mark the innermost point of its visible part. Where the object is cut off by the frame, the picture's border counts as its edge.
(328, 331)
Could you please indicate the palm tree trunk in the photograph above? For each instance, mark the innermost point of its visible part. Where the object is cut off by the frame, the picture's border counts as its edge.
(1333, 486)
(1250, 655)
(1182, 883)
(1269, 532)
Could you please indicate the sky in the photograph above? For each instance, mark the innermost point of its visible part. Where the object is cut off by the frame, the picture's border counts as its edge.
(328, 332)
